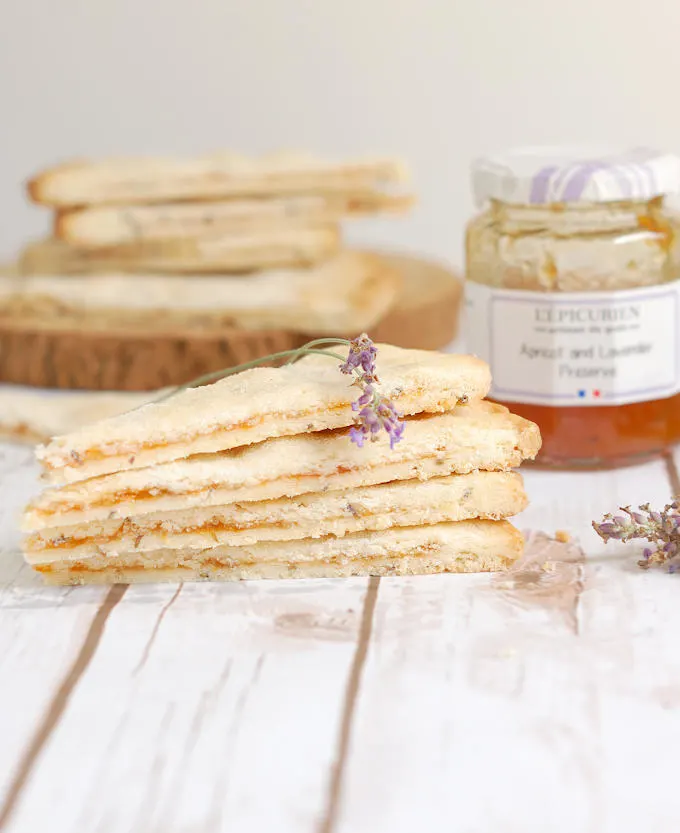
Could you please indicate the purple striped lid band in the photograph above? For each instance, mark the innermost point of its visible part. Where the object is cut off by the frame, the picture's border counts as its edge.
(541, 184)
(575, 187)
(545, 175)
(624, 173)
(566, 184)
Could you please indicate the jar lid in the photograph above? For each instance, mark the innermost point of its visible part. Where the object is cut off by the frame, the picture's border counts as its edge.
(542, 175)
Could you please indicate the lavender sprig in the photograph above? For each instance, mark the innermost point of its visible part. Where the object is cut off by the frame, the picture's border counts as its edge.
(660, 529)
(374, 413)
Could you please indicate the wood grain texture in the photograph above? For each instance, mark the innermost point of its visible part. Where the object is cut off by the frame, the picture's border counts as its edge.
(42, 631)
(58, 704)
(444, 703)
(337, 776)
(126, 361)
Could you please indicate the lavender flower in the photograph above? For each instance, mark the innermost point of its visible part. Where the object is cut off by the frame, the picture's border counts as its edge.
(374, 413)
(660, 529)
(361, 357)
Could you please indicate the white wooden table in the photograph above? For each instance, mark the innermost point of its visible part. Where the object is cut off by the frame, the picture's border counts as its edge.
(460, 704)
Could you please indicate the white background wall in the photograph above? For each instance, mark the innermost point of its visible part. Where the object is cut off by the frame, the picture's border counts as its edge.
(437, 81)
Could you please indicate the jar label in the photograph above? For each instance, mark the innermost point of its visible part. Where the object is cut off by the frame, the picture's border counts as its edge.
(577, 348)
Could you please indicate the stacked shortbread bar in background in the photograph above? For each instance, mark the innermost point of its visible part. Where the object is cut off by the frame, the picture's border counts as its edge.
(222, 212)
(343, 295)
(255, 476)
(205, 242)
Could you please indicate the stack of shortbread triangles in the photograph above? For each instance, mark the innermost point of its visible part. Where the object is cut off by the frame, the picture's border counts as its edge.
(256, 477)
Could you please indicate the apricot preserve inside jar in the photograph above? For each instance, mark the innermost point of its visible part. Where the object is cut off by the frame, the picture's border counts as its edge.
(573, 297)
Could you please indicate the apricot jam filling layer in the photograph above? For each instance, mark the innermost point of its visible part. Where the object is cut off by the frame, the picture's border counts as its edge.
(148, 494)
(66, 542)
(124, 495)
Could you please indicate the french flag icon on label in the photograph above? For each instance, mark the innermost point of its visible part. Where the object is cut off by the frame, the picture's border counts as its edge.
(596, 393)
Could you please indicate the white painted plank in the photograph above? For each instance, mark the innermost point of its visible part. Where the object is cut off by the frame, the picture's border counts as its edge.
(476, 715)
(213, 709)
(41, 630)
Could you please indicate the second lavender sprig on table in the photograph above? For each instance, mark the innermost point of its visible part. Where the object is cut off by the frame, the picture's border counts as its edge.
(660, 529)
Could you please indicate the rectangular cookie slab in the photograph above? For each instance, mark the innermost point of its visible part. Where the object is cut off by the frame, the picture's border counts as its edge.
(225, 174)
(208, 255)
(113, 225)
(348, 293)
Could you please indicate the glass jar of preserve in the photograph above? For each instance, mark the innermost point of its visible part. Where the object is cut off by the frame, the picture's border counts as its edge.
(573, 297)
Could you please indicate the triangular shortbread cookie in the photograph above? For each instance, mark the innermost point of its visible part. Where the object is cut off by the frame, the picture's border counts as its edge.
(257, 404)
(466, 546)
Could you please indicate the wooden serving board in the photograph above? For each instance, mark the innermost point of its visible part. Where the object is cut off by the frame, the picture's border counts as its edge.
(426, 317)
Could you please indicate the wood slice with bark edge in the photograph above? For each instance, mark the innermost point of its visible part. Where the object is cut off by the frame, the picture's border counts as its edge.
(426, 317)
(130, 361)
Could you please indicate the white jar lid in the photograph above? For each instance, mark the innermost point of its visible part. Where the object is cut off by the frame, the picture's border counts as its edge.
(541, 175)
